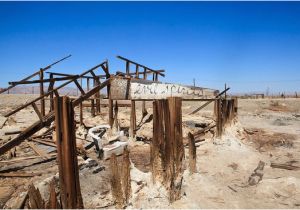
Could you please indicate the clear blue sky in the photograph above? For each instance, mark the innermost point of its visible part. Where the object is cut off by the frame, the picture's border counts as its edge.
(249, 45)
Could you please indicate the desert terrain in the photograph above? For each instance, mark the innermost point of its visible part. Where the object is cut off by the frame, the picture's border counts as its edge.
(266, 130)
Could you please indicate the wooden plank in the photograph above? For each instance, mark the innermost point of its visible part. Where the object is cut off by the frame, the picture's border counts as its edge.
(79, 87)
(37, 111)
(51, 80)
(132, 120)
(192, 154)
(42, 100)
(20, 159)
(207, 103)
(27, 133)
(20, 174)
(110, 113)
(38, 151)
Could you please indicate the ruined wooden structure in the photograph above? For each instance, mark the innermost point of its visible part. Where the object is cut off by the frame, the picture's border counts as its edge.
(137, 83)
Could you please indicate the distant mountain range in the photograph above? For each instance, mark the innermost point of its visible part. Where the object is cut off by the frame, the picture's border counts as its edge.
(36, 90)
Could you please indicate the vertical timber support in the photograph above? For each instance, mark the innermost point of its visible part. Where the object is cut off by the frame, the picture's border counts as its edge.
(110, 113)
(42, 92)
(116, 111)
(92, 107)
(144, 110)
(132, 119)
(218, 118)
(192, 154)
(167, 149)
(66, 154)
(115, 179)
(81, 113)
(51, 85)
(97, 96)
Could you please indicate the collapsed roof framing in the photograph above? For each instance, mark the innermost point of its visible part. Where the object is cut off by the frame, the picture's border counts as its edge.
(133, 79)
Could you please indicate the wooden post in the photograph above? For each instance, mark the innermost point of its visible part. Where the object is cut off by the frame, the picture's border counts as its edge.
(127, 68)
(35, 199)
(126, 180)
(92, 107)
(116, 111)
(192, 154)
(88, 84)
(66, 154)
(132, 119)
(53, 202)
(235, 106)
(116, 182)
(97, 95)
(42, 92)
(157, 146)
(137, 75)
(144, 110)
(218, 118)
(110, 113)
(80, 114)
(167, 149)
(51, 85)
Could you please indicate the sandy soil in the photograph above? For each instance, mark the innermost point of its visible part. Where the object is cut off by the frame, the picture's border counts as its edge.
(266, 130)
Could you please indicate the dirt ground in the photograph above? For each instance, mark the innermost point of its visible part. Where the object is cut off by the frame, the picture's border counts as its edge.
(265, 130)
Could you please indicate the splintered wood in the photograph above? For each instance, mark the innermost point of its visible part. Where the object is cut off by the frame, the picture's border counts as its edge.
(120, 180)
(225, 110)
(66, 153)
(192, 153)
(126, 184)
(167, 149)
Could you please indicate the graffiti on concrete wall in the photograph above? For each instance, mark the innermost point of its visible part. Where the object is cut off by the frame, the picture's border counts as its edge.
(160, 91)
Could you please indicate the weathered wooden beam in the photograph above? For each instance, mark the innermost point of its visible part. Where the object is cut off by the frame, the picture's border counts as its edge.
(132, 120)
(66, 154)
(110, 113)
(42, 93)
(79, 87)
(97, 95)
(115, 180)
(137, 73)
(69, 75)
(27, 133)
(80, 114)
(44, 80)
(192, 154)
(37, 111)
(130, 61)
(207, 103)
(35, 199)
(126, 180)
(167, 148)
(219, 121)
